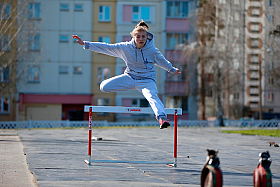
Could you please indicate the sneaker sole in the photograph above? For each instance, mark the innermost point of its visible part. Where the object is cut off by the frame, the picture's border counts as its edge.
(164, 125)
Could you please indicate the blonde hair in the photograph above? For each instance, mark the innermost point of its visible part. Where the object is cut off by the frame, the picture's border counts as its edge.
(141, 26)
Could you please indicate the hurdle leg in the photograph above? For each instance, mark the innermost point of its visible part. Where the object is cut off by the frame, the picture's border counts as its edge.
(175, 139)
(89, 136)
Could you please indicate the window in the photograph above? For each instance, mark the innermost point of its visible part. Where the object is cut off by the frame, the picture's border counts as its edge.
(34, 43)
(270, 97)
(64, 7)
(34, 11)
(255, 43)
(222, 47)
(236, 32)
(209, 77)
(33, 75)
(63, 69)
(103, 102)
(235, 64)
(102, 74)
(255, 11)
(222, 32)
(270, 80)
(139, 103)
(236, 96)
(223, 15)
(270, 18)
(254, 58)
(175, 39)
(209, 93)
(255, 27)
(270, 66)
(177, 102)
(5, 74)
(236, 16)
(104, 39)
(236, 48)
(126, 38)
(77, 70)
(141, 12)
(63, 38)
(177, 9)
(104, 13)
(5, 46)
(78, 7)
(5, 105)
(6, 13)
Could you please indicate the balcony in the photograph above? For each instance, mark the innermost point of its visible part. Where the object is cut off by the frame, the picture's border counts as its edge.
(176, 88)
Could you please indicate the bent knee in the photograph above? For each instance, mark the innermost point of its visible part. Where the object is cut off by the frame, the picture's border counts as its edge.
(104, 87)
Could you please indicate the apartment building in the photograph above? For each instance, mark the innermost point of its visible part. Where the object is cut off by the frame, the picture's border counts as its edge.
(228, 61)
(62, 77)
(247, 58)
(271, 93)
(261, 94)
(178, 18)
(58, 79)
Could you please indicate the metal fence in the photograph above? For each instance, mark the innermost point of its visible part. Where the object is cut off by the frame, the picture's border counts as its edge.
(181, 123)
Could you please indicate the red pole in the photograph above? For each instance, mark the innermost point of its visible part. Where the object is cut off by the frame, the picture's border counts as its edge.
(89, 131)
(175, 139)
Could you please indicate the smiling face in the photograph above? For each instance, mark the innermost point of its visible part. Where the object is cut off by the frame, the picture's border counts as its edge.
(140, 38)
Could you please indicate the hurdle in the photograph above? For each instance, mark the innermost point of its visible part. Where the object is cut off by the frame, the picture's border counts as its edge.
(132, 110)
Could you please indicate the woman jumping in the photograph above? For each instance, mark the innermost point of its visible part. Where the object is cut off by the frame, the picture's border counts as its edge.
(140, 55)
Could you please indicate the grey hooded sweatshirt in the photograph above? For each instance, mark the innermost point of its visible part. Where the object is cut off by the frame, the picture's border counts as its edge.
(140, 62)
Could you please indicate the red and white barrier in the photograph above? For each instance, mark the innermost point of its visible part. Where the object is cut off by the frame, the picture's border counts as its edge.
(137, 110)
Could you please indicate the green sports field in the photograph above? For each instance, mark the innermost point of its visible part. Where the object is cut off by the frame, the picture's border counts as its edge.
(260, 132)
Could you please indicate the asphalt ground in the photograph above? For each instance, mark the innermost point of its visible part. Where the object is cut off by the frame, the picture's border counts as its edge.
(129, 157)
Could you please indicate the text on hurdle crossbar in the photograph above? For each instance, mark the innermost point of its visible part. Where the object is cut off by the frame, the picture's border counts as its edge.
(138, 110)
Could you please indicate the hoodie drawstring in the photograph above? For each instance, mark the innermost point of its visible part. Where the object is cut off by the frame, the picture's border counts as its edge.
(145, 61)
(136, 54)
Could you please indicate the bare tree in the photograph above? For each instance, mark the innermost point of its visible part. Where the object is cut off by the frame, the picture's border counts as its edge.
(219, 67)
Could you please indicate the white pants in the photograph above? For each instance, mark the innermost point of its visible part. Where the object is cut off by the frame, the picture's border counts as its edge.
(147, 87)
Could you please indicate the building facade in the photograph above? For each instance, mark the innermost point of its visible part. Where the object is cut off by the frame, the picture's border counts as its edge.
(61, 77)
(271, 86)
(248, 59)
(103, 66)
(8, 25)
(57, 83)
(178, 30)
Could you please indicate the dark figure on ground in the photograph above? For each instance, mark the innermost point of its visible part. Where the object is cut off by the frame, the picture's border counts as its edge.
(262, 174)
(211, 174)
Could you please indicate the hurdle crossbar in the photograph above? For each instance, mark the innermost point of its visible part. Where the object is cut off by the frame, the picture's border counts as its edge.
(137, 110)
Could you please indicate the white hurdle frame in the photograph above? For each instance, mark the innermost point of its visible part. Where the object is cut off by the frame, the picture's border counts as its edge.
(133, 110)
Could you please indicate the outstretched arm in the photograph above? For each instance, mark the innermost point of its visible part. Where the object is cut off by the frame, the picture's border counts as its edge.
(165, 64)
(100, 47)
(79, 40)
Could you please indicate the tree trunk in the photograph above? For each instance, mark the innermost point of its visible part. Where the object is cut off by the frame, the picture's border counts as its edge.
(202, 91)
(220, 108)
